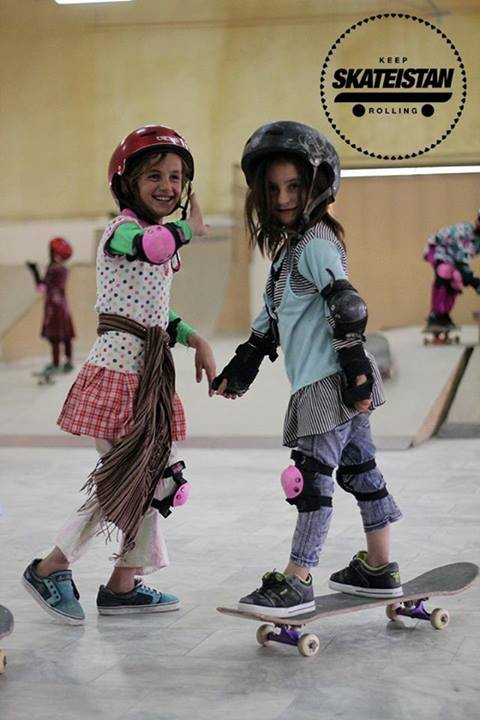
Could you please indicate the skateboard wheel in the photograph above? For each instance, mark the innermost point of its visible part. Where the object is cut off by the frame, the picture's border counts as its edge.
(391, 612)
(439, 618)
(308, 645)
(262, 634)
(3, 662)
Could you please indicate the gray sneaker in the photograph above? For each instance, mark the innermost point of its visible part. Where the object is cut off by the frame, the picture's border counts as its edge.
(280, 596)
(359, 578)
(56, 594)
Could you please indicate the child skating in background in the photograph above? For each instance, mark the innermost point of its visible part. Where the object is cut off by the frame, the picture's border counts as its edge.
(450, 252)
(57, 325)
(318, 319)
(124, 395)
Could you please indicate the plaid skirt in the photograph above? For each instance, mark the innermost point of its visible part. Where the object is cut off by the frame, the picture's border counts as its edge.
(100, 404)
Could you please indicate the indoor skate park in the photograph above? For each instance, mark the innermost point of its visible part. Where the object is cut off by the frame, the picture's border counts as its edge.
(76, 79)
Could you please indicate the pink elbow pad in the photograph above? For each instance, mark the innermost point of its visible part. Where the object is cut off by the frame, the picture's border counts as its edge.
(158, 244)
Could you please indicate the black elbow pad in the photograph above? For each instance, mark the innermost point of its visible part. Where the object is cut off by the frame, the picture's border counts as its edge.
(349, 311)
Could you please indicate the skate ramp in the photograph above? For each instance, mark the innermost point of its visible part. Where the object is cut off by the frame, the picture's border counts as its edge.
(463, 417)
(422, 387)
(17, 294)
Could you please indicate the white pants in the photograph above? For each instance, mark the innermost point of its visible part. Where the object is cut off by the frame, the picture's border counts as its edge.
(150, 551)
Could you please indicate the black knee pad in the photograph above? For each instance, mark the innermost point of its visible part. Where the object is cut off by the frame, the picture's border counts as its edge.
(299, 486)
(364, 467)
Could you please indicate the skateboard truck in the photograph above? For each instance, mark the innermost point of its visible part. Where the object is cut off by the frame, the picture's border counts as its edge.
(415, 609)
(308, 644)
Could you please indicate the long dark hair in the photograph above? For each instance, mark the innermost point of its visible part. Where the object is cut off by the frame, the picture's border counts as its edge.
(263, 228)
(128, 195)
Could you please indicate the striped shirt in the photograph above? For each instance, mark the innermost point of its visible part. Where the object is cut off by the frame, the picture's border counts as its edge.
(319, 407)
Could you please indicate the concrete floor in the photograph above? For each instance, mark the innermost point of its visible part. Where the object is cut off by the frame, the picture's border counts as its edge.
(195, 663)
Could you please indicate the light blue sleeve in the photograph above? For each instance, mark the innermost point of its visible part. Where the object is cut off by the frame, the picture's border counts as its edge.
(261, 324)
(319, 256)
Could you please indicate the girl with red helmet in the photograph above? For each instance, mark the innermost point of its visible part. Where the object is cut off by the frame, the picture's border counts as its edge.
(318, 318)
(124, 395)
(57, 326)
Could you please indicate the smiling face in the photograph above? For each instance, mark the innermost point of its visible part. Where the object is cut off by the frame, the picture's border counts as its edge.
(286, 193)
(159, 185)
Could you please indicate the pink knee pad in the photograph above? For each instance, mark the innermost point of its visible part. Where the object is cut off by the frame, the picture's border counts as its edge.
(182, 495)
(445, 271)
(292, 482)
(448, 272)
(456, 281)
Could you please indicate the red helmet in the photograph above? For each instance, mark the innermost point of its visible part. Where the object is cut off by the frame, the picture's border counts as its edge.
(144, 138)
(60, 247)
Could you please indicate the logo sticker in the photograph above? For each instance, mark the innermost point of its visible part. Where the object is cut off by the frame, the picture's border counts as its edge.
(393, 86)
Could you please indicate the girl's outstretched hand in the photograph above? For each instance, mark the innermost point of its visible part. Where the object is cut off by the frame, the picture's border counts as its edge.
(204, 360)
(195, 219)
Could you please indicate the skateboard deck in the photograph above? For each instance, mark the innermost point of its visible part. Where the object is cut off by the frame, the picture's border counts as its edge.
(440, 335)
(6, 628)
(44, 377)
(445, 580)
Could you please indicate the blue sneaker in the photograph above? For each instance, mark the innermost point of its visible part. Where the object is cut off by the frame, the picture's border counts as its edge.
(141, 599)
(56, 594)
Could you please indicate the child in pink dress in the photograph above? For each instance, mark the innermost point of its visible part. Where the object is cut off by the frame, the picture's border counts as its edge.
(57, 325)
(124, 395)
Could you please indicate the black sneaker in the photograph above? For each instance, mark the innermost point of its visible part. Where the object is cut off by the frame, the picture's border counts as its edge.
(280, 595)
(361, 579)
(141, 599)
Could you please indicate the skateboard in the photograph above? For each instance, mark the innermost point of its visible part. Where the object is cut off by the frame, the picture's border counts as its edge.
(45, 377)
(440, 335)
(6, 627)
(378, 345)
(445, 580)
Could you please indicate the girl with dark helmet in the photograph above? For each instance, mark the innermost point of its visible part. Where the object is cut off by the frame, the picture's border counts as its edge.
(318, 319)
(57, 326)
(124, 395)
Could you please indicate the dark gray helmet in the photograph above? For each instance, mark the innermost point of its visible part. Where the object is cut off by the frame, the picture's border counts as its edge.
(293, 137)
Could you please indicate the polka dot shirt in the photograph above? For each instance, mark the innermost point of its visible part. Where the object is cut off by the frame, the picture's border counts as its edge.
(133, 289)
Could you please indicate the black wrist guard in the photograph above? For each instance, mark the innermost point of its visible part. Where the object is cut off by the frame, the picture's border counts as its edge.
(33, 267)
(243, 368)
(354, 362)
(172, 331)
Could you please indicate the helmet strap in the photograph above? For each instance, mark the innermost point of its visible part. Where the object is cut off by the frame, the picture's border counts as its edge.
(186, 204)
(312, 204)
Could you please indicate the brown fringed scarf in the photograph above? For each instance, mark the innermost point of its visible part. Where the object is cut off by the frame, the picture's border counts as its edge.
(124, 480)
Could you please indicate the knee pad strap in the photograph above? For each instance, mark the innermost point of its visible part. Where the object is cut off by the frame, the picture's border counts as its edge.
(358, 470)
(305, 462)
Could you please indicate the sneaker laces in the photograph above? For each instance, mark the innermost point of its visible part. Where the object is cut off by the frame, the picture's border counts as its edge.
(272, 579)
(139, 585)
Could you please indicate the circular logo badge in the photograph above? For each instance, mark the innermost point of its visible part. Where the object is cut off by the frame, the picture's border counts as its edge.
(393, 86)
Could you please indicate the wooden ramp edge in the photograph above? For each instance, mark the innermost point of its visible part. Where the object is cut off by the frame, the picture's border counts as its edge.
(463, 418)
(443, 402)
